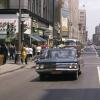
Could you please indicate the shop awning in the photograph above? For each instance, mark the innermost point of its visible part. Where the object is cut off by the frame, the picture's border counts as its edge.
(40, 38)
(35, 38)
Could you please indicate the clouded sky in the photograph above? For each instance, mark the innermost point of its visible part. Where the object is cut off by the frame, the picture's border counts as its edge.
(93, 14)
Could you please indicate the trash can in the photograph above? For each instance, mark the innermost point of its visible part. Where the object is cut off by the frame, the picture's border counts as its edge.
(1, 59)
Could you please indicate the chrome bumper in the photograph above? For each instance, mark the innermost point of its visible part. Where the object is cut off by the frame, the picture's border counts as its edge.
(56, 69)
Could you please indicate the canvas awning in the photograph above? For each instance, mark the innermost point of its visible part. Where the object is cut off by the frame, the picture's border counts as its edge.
(40, 38)
(37, 38)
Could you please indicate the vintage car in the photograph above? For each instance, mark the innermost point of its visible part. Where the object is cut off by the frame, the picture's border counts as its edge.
(57, 61)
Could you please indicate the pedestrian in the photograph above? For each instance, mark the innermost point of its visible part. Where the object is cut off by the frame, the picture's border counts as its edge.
(27, 52)
(38, 49)
(4, 52)
(30, 52)
(34, 49)
(12, 52)
(24, 55)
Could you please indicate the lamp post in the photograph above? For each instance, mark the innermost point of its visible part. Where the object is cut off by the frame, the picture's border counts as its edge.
(54, 22)
(19, 35)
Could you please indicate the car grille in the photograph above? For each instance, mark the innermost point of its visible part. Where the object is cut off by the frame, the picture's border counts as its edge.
(56, 66)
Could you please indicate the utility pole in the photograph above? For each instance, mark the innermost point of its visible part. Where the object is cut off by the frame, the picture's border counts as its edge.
(53, 22)
(19, 35)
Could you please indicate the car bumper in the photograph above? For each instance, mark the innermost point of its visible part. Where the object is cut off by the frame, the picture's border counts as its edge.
(56, 71)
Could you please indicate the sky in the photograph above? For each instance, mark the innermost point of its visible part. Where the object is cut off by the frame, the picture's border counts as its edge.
(93, 14)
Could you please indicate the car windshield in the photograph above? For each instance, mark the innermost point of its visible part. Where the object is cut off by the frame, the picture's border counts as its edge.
(61, 53)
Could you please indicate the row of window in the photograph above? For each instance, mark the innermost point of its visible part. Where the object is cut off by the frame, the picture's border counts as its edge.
(4, 4)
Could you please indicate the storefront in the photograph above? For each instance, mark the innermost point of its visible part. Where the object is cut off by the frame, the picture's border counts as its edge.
(9, 25)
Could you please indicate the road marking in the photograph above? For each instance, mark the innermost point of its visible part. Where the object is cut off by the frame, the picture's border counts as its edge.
(97, 54)
(98, 68)
(95, 51)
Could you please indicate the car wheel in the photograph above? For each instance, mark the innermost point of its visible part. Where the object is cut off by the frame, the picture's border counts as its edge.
(79, 72)
(42, 77)
(76, 75)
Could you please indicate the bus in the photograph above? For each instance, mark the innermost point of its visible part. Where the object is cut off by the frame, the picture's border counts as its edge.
(73, 43)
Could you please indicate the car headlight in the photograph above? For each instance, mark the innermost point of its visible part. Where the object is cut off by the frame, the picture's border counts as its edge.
(41, 66)
(73, 65)
(70, 66)
(37, 67)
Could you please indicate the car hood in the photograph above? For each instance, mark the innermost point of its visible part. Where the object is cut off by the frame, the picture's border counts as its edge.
(71, 60)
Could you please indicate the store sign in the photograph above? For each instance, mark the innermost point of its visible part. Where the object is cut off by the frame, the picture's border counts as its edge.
(27, 22)
(10, 22)
(64, 16)
(64, 24)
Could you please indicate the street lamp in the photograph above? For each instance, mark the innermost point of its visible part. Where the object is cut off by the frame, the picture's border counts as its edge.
(19, 35)
(53, 22)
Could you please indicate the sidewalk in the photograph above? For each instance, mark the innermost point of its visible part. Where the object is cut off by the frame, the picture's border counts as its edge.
(10, 67)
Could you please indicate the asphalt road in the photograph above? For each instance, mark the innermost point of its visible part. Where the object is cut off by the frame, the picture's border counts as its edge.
(24, 84)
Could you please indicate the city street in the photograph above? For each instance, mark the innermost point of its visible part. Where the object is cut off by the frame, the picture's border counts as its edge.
(24, 84)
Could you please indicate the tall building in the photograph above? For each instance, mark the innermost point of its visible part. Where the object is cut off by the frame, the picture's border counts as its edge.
(74, 18)
(96, 36)
(44, 9)
(4, 4)
(65, 19)
(39, 10)
(82, 26)
(97, 29)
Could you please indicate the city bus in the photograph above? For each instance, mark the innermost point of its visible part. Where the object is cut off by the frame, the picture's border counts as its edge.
(73, 43)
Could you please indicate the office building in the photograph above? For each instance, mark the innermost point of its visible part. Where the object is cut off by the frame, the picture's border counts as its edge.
(82, 26)
(37, 13)
(96, 36)
(73, 18)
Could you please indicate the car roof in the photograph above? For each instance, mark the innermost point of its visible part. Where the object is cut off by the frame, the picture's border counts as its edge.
(69, 48)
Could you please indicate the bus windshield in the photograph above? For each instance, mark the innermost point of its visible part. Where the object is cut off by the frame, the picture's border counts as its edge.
(70, 43)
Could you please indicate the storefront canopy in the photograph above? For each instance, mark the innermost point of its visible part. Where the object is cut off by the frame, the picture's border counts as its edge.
(37, 38)
(40, 38)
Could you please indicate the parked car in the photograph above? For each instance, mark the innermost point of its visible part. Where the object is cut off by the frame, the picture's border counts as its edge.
(57, 61)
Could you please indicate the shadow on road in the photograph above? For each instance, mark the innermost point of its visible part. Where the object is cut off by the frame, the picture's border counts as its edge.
(54, 79)
(72, 94)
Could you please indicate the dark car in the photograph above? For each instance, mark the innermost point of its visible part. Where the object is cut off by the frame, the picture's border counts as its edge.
(57, 61)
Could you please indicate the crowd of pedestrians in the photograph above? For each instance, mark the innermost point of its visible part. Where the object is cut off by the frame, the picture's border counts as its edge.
(9, 52)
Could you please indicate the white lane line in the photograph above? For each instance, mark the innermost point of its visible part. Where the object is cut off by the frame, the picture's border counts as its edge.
(95, 51)
(98, 68)
(97, 54)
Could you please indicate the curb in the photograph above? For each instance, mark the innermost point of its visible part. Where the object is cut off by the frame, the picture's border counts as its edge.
(31, 67)
(12, 70)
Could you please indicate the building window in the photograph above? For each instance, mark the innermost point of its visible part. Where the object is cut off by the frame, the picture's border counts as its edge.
(4, 4)
(33, 6)
(29, 4)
